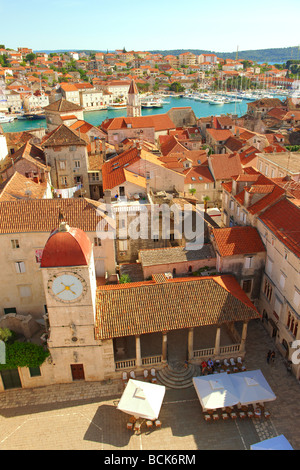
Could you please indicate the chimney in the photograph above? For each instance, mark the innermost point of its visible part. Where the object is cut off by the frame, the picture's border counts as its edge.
(103, 146)
(107, 196)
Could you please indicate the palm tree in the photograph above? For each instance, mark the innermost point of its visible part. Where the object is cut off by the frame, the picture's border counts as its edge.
(206, 199)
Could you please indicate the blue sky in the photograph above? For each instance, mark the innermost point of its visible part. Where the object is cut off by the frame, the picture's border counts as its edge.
(218, 25)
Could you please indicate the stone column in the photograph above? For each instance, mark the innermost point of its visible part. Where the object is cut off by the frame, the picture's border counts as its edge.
(190, 344)
(138, 355)
(217, 341)
(164, 346)
(244, 336)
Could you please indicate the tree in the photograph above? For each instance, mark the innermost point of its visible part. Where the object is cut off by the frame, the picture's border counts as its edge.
(30, 57)
(177, 87)
(24, 355)
(124, 279)
(206, 199)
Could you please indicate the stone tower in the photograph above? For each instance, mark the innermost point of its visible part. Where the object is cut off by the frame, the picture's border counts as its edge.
(133, 101)
(70, 289)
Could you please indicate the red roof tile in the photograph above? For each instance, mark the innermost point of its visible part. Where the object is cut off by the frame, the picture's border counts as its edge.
(283, 219)
(238, 241)
(153, 306)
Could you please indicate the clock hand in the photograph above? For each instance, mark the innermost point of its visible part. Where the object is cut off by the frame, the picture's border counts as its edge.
(61, 291)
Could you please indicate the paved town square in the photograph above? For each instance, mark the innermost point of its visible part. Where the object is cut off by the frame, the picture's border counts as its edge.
(83, 416)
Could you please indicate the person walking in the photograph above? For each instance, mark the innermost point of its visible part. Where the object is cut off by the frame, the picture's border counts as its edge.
(272, 357)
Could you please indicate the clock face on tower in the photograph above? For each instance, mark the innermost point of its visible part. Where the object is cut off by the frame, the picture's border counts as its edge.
(67, 287)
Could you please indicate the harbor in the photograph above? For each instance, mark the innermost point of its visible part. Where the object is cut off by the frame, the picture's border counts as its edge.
(203, 105)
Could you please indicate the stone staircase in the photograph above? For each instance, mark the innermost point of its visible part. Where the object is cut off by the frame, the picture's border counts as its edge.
(176, 375)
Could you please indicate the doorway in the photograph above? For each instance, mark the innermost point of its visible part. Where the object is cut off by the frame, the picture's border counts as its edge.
(177, 346)
(10, 379)
(77, 371)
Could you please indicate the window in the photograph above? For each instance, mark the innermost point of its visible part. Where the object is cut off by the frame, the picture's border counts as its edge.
(269, 265)
(122, 245)
(15, 244)
(248, 262)
(247, 284)
(268, 290)
(35, 371)
(62, 165)
(72, 148)
(277, 306)
(20, 267)
(97, 241)
(282, 279)
(155, 238)
(296, 298)
(77, 163)
(64, 180)
(25, 291)
(10, 310)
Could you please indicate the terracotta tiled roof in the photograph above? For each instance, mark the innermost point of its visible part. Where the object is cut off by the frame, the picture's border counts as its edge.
(219, 134)
(42, 215)
(61, 136)
(158, 121)
(30, 152)
(238, 241)
(283, 219)
(148, 307)
(225, 165)
(63, 106)
(177, 254)
(170, 144)
(201, 174)
(113, 170)
(20, 187)
(267, 200)
(14, 138)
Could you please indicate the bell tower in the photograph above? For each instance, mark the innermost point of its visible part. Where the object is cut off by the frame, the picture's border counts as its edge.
(133, 101)
(70, 286)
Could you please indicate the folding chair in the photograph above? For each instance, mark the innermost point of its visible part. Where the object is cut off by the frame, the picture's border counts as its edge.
(153, 376)
(146, 374)
(132, 374)
(158, 423)
(125, 378)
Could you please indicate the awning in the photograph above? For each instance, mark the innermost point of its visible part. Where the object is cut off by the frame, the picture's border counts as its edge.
(222, 390)
(252, 387)
(275, 443)
(215, 391)
(142, 399)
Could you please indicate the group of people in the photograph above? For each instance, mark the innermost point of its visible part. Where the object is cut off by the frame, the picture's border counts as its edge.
(270, 357)
(207, 366)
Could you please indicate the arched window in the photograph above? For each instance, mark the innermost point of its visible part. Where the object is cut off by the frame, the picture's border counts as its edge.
(296, 329)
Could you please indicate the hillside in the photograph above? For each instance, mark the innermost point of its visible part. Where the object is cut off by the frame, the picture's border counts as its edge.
(276, 55)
